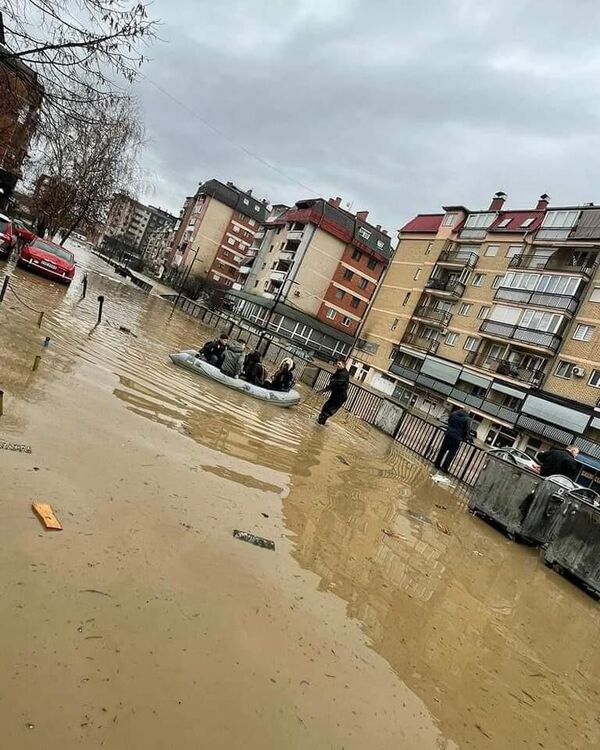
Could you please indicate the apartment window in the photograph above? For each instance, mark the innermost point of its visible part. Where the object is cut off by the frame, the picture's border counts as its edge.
(348, 275)
(491, 251)
(246, 202)
(346, 322)
(584, 333)
(372, 263)
(465, 309)
(564, 370)
(394, 324)
(417, 274)
(340, 293)
(406, 298)
(364, 233)
(252, 222)
(527, 223)
(256, 283)
(484, 311)
(471, 344)
(479, 221)
(331, 314)
(230, 241)
(356, 255)
(451, 339)
(595, 295)
(513, 251)
(449, 220)
(478, 279)
(236, 229)
(541, 321)
(559, 219)
(504, 223)
(355, 302)
(594, 380)
(362, 284)
(497, 281)
(428, 248)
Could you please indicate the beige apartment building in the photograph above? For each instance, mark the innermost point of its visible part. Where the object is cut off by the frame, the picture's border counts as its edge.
(130, 225)
(499, 311)
(215, 230)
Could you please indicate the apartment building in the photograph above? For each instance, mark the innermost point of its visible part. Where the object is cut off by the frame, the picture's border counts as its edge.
(217, 226)
(312, 273)
(499, 311)
(130, 224)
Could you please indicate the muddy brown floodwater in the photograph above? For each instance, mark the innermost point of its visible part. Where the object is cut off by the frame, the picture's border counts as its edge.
(145, 625)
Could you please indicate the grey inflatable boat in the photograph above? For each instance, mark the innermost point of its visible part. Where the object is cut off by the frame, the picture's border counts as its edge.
(190, 361)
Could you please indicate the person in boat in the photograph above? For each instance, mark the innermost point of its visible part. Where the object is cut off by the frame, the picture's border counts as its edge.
(283, 380)
(214, 351)
(338, 389)
(233, 359)
(254, 370)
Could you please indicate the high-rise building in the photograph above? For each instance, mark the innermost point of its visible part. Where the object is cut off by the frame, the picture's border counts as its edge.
(499, 311)
(312, 273)
(216, 228)
(130, 225)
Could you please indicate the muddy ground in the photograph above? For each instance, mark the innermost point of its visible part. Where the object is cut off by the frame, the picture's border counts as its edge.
(145, 625)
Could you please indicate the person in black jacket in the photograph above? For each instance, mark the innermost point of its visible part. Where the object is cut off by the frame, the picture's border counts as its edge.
(283, 380)
(560, 461)
(338, 388)
(214, 351)
(458, 429)
(254, 371)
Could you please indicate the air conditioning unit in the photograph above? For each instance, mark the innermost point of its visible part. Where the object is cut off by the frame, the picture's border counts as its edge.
(578, 372)
(296, 292)
(444, 331)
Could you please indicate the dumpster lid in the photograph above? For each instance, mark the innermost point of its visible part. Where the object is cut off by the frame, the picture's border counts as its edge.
(589, 461)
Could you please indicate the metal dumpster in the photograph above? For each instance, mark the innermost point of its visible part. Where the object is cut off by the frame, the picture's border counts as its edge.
(499, 492)
(574, 549)
(550, 501)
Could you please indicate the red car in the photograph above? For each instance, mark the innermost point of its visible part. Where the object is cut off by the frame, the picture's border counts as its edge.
(8, 237)
(23, 233)
(48, 259)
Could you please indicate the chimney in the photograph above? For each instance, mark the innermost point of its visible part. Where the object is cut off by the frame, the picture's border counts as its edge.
(543, 202)
(337, 202)
(497, 201)
(250, 191)
(378, 227)
(362, 215)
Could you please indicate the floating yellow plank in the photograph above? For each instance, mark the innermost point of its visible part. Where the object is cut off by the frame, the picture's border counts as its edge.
(47, 516)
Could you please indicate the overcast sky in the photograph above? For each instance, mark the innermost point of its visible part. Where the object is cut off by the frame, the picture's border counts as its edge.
(398, 106)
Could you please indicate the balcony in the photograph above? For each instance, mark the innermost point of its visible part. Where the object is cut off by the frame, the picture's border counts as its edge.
(563, 263)
(485, 405)
(245, 270)
(431, 315)
(295, 234)
(236, 287)
(278, 276)
(251, 253)
(420, 342)
(562, 302)
(450, 287)
(529, 336)
(458, 259)
(506, 367)
(287, 256)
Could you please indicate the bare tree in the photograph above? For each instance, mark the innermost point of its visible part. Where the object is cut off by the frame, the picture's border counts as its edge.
(76, 46)
(83, 162)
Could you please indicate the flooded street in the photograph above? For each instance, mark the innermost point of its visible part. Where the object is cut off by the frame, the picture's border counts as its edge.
(145, 625)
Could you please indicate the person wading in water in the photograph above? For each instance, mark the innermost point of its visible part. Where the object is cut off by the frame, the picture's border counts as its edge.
(338, 388)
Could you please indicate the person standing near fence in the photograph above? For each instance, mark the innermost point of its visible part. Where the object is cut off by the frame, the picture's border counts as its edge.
(457, 431)
(338, 388)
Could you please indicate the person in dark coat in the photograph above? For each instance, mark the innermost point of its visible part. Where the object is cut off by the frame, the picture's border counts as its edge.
(283, 380)
(457, 430)
(338, 388)
(254, 371)
(559, 461)
(214, 351)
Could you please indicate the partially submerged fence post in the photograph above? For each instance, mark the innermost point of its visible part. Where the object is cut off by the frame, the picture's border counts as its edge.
(100, 306)
(4, 287)
(85, 283)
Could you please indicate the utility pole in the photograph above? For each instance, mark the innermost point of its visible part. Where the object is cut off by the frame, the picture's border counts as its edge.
(276, 301)
(185, 278)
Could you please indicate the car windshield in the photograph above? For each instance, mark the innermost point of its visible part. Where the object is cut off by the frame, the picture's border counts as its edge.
(60, 252)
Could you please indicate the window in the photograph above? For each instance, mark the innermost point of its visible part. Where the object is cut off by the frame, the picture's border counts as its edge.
(484, 311)
(564, 370)
(406, 298)
(428, 248)
(449, 220)
(364, 233)
(252, 222)
(331, 314)
(594, 380)
(246, 202)
(497, 281)
(451, 339)
(465, 309)
(230, 241)
(417, 274)
(513, 251)
(478, 279)
(236, 229)
(362, 284)
(356, 255)
(584, 333)
(559, 219)
(527, 223)
(479, 221)
(348, 274)
(355, 302)
(340, 293)
(595, 295)
(491, 251)
(471, 344)
(394, 324)
(541, 321)
(346, 322)
(504, 223)
(372, 263)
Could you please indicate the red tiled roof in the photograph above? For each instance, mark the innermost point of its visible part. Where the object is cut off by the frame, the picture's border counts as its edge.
(424, 223)
(516, 220)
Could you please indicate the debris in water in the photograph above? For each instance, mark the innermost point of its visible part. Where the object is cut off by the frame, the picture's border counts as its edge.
(14, 447)
(30, 726)
(418, 516)
(343, 460)
(128, 331)
(441, 507)
(442, 527)
(258, 541)
(393, 534)
(47, 517)
(94, 591)
(265, 515)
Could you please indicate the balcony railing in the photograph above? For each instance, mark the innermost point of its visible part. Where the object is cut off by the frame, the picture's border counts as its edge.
(529, 375)
(542, 299)
(244, 270)
(430, 313)
(404, 372)
(485, 405)
(420, 342)
(585, 266)
(460, 258)
(541, 339)
(278, 276)
(451, 286)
